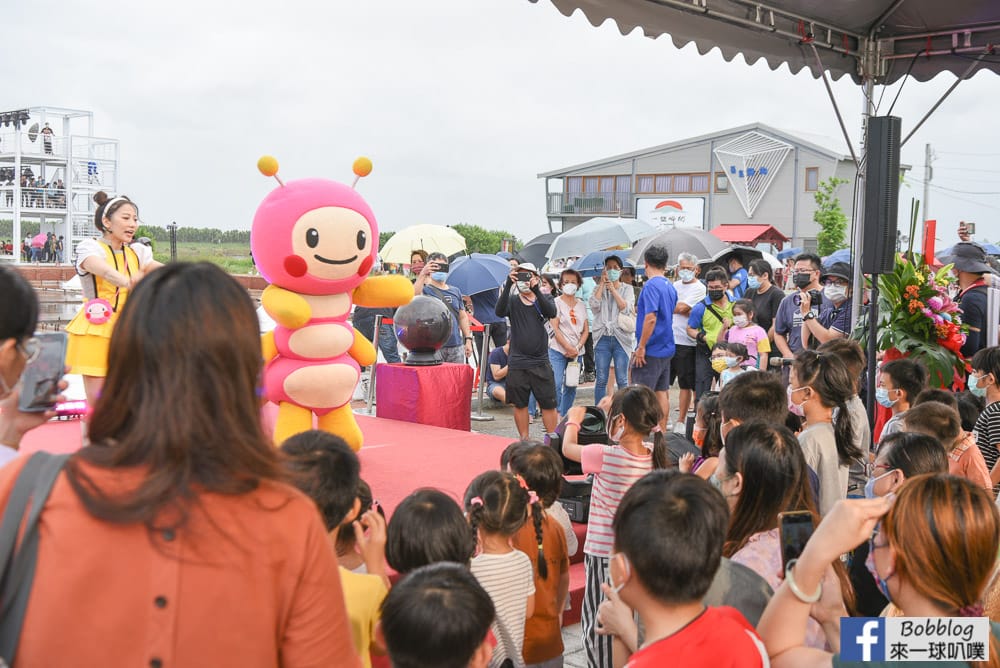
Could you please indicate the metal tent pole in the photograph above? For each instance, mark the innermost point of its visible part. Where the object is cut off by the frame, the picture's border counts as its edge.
(857, 278)
(479, 416)
(370, 399)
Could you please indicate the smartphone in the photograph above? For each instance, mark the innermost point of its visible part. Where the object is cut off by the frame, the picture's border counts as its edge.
(523, 275)
(40, 380)
(795, 528)
(443, 266)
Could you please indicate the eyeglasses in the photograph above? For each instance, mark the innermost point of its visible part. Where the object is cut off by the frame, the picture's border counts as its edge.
(30, 349)
(870, 469)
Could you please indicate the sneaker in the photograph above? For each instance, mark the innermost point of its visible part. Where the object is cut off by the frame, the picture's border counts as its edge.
(588, 377)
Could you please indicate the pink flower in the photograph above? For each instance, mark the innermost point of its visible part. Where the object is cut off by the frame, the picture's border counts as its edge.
(938, 320)
(927, 312)
(935, 303)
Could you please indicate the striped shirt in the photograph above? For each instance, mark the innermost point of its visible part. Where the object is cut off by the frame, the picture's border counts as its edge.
(988, 433)
(615, 470)
(509, 580)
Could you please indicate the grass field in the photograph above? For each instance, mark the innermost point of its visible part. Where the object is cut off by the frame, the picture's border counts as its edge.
(233, 257)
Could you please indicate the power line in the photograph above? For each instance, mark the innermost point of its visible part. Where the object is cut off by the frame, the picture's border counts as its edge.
(954, 190)
(964, 153)
(962, 199)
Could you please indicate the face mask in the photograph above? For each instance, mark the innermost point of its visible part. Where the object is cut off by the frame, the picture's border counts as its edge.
(870, 485)
(614, 274)
(975, 387)
(545, 290)
(882, 396)
(626, 566)
(883, 586)
(716, 295)
(523, 286)
(716, 483)
(569, 289)
(835, 293)
(698, 436)
(686, 275)
(753, 282)
(719, 364)
(617, 436)
(439, 276)
(731, 361)
(740, 320)
(417, 268)
(795, 408)
(802, 280)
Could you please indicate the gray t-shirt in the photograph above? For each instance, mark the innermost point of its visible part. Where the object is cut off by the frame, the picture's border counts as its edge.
(606, 313)
(819, 445)
(863, 439)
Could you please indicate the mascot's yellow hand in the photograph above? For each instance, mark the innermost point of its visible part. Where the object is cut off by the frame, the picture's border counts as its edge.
(269, 350)
(363, 351)
(289, 309)
(383, 291)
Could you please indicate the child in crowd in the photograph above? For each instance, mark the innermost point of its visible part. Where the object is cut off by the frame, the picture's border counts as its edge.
(635, 413)
(427, 527)
(668, 537)
(737, 355)
(746, 331)
(438, 616)
(707, 435)
(555, 509)
(325, 468)
(935, 413)
(348, 554)
(541, 468)
(900, 383)
(720, 351)
(984, 381)
(496, 504)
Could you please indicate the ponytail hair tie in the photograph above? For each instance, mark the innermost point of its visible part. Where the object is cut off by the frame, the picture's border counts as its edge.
(520, 481)
(974, 610)
(476, 501)
(532, 497)
(657, 429)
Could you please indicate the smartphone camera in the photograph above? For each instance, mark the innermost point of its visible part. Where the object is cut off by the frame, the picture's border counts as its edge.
(523, 275)
(443, 266)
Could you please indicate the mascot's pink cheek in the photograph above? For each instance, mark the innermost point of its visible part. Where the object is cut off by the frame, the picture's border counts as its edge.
(366, 266)
(295, 266)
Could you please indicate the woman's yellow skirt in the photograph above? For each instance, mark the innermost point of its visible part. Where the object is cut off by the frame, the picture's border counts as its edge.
(87, 349)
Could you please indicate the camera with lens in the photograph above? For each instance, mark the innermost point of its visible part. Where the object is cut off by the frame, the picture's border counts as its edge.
(523, 276)
(815, 297)
(443, 266)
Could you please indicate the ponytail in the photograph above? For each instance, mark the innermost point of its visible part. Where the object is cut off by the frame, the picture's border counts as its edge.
(660, 460)
(843, 431)
(475, 515)
(536, 518)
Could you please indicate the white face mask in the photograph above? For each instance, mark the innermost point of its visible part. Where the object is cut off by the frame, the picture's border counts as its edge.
(524, 286)
(835, 293)
(740, 320)
(569, 289)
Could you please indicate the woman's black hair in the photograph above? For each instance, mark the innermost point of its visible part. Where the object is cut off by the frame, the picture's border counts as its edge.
(712, 417)
(101, 198)
(641, 409)
(427, 527)
(19, 306)
(914, 454)
(541, 468)
(830, 379)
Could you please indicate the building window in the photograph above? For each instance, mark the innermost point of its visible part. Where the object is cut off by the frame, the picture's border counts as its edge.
(664, 183)
(812, 179)
(721, 182)
(644, 183)
(699, 183)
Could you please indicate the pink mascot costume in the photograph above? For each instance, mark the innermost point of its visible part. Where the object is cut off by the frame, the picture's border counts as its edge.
(315, 241)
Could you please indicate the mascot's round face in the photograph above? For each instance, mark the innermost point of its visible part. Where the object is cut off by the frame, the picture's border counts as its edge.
(315, 237)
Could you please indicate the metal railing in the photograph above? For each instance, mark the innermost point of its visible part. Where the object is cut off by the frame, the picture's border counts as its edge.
(33, 197)
(42, 145)
(616, 203)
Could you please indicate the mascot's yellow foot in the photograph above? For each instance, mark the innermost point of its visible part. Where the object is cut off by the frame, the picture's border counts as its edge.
(341, 422)
(291, 420)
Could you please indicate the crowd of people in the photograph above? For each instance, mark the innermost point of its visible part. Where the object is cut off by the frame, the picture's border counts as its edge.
(214, 547)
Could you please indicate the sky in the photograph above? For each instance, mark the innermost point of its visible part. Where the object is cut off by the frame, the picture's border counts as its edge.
(459, 104)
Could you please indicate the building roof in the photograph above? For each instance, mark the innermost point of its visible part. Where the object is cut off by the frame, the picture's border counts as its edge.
(749, 235)
(821, 144)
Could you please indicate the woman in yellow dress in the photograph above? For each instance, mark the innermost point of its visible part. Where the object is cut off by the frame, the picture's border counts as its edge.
(108, 268)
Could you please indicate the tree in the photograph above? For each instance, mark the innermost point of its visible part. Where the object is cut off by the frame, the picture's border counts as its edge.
(383, 237)
(481, 240)
(830, 217)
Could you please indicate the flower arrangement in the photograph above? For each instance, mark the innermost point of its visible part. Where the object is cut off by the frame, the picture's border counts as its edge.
(918, 318)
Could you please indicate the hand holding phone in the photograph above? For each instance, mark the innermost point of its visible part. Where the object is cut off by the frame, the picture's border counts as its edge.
(40, 380)
(795, 528)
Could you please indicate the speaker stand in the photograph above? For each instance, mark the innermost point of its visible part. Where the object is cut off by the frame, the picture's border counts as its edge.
(872, 350)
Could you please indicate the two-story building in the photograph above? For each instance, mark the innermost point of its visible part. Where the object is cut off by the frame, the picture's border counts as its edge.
(751, 175)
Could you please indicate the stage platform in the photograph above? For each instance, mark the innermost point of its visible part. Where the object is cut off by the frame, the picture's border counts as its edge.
(397, 458)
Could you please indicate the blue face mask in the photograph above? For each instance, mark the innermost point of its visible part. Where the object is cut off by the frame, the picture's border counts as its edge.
(882, 396)
(614, 274)
(753, 282)
(686, 275)
(439, 276)
(974, 386)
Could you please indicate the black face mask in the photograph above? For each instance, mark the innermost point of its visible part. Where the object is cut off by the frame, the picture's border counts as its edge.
(801, 280)
(716, 295)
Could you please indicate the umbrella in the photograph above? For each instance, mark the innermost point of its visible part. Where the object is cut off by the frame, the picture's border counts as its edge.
(534, 251)
(598, 234)
(399, 248)
(700, 243)
(39, 240)
(992, 249)
(789, 252)
(746, 255)
(592, 264)
(842, 255)
(478, 272)
(505, 255)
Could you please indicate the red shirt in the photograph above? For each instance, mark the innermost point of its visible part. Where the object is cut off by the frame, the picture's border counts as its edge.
(719, 638)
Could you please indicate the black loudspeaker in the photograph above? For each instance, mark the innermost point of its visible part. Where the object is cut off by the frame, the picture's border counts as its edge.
(878, 246)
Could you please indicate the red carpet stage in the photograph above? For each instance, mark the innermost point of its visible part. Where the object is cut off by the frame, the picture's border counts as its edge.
(397, 458)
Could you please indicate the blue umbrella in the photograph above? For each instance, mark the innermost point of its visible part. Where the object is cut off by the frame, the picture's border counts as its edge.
(478, 272)
(788, 252)
(992, 249)
(592, 264)
(842, 255)
(505, 255)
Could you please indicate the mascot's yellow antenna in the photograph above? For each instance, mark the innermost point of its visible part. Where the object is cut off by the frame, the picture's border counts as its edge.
(362, 167)
(268, 166)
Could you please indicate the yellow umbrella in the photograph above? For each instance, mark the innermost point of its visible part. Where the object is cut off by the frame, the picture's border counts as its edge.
(399, 248)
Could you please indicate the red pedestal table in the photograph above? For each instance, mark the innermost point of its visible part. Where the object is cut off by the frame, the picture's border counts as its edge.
(436, 395)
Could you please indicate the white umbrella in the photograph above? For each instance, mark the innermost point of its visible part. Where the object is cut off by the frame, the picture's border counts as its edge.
(400, 246)
(599, 234)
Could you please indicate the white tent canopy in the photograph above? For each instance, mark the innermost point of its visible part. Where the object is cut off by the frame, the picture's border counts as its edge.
(875, 39)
